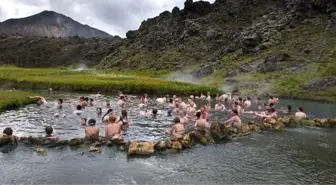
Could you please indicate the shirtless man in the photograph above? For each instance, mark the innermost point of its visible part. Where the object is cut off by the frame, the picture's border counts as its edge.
(300, 114)
(177, 129)
(208, 98)
(234, 120)
(183, 118)
(91, 130)
(121, 101)
(201, 124)
(59, 103)
(237, 107)
(160, 100)
(182, 105)
(247, 103)
(219, 107)
(204, 114)
(191, 110)
(113, 129)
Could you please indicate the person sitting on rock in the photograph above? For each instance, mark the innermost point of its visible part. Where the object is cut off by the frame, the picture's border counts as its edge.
(300, 114)
(79, 110)
(91, 130)
(178, 128)
(219, 107)
(183, 118)
(201, 124)
(113, 129)
(49, 130)
(234, 120)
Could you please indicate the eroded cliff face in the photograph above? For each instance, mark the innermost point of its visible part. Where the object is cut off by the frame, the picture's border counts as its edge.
(50, 24)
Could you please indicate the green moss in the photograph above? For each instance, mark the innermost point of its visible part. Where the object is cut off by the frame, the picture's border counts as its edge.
(14, 99)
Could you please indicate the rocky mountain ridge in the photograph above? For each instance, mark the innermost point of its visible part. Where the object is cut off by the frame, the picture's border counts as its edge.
(49, 24)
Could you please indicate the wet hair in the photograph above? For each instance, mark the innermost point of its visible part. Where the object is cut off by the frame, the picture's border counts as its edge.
(112, 119)
(108, 112)
(49, 130)
(235, 111)
(271, 97)
(86, 99)
(289, 108)
(258, 98)
(79, 107)
(91, 99)
(82, 98)
(248, 98)
(271, 104)
(123, 114)
(92, 122)
(198, 114)
(171, 100)
(236, 103)
(84, 119)
(176, 120)
(240, 99)
(99, 108)
(8, 131)
(300, 109)
(122, 97)
(154, 112)
(60, 100)
(272, 110)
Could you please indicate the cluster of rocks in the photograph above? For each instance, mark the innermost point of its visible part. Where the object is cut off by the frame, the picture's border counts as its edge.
(320, 84)
(218, 133)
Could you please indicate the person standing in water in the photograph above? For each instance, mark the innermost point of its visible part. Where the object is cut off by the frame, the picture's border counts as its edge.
(191, 110)
(183, 118)
(201, 124)
(219, 107)
(178, 128)
(123, 119)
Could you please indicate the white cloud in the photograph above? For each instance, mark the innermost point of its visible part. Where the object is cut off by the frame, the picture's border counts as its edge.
(115, 17)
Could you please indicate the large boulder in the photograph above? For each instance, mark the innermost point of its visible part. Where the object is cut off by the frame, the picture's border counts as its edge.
(176, 145)
(161, 145)
(186, 141)
(218, 131)
(320, 84)
(141, 148)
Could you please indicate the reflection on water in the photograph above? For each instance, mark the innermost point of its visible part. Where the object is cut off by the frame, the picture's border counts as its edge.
(302, 155)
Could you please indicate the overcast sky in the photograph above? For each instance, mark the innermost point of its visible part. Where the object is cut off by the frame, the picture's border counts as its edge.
(115, 17)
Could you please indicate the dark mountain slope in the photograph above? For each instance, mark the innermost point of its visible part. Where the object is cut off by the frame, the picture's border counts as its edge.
(49, 24)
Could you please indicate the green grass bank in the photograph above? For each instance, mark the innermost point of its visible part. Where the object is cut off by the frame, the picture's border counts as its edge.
(14, 99)
(94, 80)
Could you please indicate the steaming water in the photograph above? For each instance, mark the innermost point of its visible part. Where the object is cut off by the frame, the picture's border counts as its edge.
(303, 155)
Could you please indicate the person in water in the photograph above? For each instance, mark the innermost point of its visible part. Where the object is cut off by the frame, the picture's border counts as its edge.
(8, 131)
(99, 111)
(59, 103)
(247, 103)
(300, 114)
(121, 101)
(208, 98)
(237, 107)
(234, 120)
(160, 100)
(106, 116)
(79, 110)
(219, 107)
(191, 109)
(41, 101)
(204, 114)
(108, 103)
(177, 129)
(91, 102)
(49, 130)
(83, 121)
(123, 119)
(183, 118)
(91, 130)
(113, 129)
(201, 124)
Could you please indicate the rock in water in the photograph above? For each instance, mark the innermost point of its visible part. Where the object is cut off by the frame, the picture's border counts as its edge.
(141, 148)
(176, 145)
(161, 145)
(186, 141)
(95, 149)
(76, 142)
(218, 131)
(40, 150)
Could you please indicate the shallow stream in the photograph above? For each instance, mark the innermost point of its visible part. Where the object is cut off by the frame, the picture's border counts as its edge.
(301, 155)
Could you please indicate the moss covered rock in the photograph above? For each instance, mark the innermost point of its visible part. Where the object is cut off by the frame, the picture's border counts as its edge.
(141, 148)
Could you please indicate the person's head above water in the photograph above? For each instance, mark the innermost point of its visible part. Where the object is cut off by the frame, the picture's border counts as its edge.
(86, 99)
(79, 107)
(8, 131)
(271, 104)
(49, 130)
(124, 113)
(154, 112)
(300, 109)
(112, 119)
(60, 101)
(176, 120)
(81, 98)
(182, 114)
(289, 108)
(198, 114)
(92, 122)
(171, 100)
(83, 121)
(234, 112)
(99, 110)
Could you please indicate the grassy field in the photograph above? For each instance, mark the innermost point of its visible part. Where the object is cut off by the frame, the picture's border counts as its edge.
(93, 81)
(14, 99)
